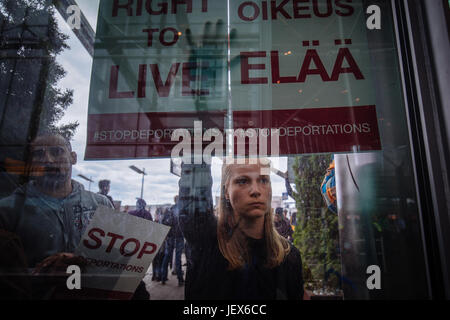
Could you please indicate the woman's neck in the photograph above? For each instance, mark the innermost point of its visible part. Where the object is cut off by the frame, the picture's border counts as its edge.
(253, 228)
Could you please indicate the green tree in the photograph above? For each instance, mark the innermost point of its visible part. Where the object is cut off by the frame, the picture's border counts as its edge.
(30, 99)
(317, 233)
(29, 73)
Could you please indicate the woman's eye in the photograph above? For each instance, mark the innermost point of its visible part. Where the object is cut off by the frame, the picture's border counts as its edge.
(241, 181)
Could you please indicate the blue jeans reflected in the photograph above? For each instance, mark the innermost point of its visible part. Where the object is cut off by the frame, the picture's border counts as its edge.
(178, 245)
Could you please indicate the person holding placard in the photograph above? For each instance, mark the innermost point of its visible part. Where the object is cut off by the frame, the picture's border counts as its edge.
(50, 214)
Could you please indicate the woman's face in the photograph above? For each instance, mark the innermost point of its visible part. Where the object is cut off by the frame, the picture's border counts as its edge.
(249, 192)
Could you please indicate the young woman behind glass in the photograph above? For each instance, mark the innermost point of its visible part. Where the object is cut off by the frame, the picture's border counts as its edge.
(240, 255)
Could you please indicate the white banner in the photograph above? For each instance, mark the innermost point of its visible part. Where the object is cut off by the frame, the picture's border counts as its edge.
(119, 249)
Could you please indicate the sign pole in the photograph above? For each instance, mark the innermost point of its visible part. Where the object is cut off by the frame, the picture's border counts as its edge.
(142, 185)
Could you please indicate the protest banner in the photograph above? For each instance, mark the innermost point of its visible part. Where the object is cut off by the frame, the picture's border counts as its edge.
(300, 67)
(119, 249)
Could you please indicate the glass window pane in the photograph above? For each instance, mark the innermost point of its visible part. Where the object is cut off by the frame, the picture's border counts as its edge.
(151, 96)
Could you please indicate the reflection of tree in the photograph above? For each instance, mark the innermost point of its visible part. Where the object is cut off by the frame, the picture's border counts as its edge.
(30, 100)
(317, 234)
(30, 41)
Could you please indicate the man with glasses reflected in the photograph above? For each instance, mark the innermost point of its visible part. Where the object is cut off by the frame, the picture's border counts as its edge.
(50, 213)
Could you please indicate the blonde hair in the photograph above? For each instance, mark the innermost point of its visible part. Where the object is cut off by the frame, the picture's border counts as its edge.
(233, 242)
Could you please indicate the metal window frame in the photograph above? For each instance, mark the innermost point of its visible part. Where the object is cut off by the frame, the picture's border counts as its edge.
(423, 44)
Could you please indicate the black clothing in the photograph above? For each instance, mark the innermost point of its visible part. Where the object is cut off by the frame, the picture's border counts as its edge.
(15, 283)
(170, 220)
(284, 227)
(141, 292)
(209, 279)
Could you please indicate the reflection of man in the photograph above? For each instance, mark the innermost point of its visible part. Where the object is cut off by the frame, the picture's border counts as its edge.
(140, 211)
(50, 213)
(104, 187)
(282, 224)
(175, 240)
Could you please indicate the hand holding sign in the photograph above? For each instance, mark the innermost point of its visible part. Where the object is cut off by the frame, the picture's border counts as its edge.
(53, 271)
(57, 264)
